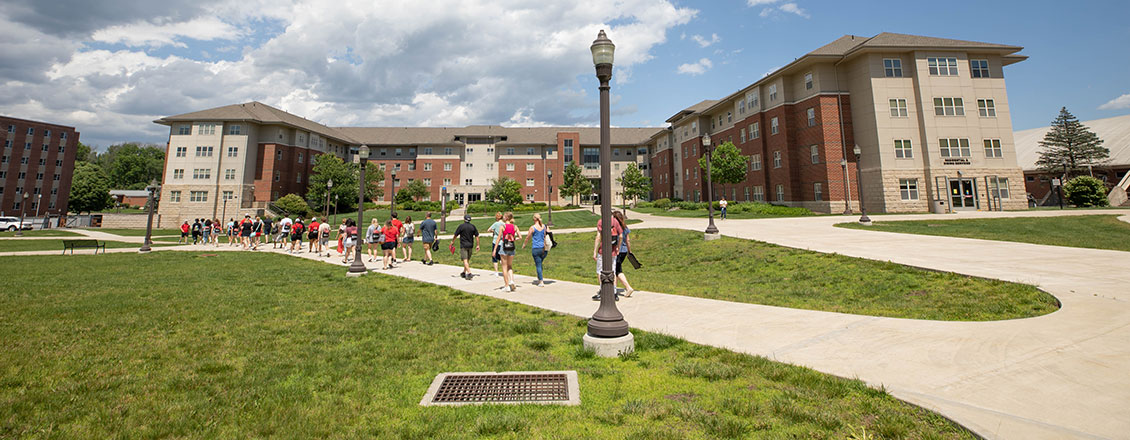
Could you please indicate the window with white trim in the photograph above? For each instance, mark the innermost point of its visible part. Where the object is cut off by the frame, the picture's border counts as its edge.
(229, 174)
(235, 129)
(908, 189)
(949, 107)
(743, 135)
(207, 129)
(986, 108)
(447, 182)
(467, 182)
(198, 196)
(892, 67)
(814, 153)
(529, 166)
(233, 151)
(954, 147)
(447, 151)
(227, 195)
(993, 148)
(447, 166)
(427, 166)
(427, 182)
(759, 193)
(202, 173)
(979, 68)
(903, 149)
(942, 66)
(772, 92)
(818, 191)
(811, 113)
(755, 162)
(202, 151)
(509, 167)
(898, 108)
(773, 128)
(182, 151)
(999, 187)
(298, 178)
(808, 81)
(780, 193)
(174, 196)
(529, 182)
(776, 159)
(755, 130)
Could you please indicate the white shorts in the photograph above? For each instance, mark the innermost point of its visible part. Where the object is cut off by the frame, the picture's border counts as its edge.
(600, 263)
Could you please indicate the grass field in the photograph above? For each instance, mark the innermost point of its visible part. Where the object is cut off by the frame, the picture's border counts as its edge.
(680, 262)
(260, 345)
(702, 213)
(57, 245)
(42, 233)
(1085, 231)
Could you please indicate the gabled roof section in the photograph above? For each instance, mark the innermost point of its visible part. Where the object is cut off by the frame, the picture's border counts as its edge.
(840, 46)
(702, 105)
(890, 39)
(456, 136)
(255, 111)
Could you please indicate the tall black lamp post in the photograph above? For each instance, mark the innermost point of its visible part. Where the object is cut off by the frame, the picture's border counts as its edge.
(443, 209)
(549, 196)
(863, 219)
(711, 232)
(153, 188)
(23, 208)
(334, 221)
(608, 333)
(358, 267)
(329, 188)
(225, 211)
(392, 208)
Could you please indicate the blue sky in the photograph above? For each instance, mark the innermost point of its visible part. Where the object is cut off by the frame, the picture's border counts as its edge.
(111, 67)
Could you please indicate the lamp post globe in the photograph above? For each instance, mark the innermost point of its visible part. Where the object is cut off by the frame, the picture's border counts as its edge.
(153, 190)
(711, 232)
(863, 219)
(358, 267)
(392, 208)
(608, 333)
(549, 196)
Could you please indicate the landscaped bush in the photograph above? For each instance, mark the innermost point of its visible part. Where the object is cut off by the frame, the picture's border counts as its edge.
(1086, 191)
(413, 205)
(490, 208)
(373, 205)
(661, 203)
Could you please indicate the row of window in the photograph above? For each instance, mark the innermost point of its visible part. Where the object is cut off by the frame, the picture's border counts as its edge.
(27, 147)
(941, 66)
(22, 175)
(24, 160)
(210, 128)
(986, 108)
(31, 132)
(950, 147)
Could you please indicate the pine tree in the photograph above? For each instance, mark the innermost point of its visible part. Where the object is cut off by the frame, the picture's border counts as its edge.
(1072, 143)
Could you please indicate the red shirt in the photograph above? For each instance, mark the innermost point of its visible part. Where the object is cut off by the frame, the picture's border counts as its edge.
(397, 224)
(616, 232)
(184, 227)
(314, 226)
(390, 233)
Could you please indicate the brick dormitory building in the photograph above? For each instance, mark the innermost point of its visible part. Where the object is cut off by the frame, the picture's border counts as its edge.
(38, 159)
(930, 116)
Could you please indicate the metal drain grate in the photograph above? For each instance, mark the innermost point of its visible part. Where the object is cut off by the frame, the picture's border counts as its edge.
(537, 387)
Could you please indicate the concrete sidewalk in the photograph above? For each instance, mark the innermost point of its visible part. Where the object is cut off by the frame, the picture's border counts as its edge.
(1063, 375)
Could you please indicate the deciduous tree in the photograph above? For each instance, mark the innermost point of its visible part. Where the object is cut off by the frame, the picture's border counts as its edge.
(506, 191)
(635, 184)
(573, 182)
(90, 188)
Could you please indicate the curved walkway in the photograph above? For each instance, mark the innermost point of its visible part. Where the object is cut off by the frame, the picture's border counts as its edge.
(1062, 375)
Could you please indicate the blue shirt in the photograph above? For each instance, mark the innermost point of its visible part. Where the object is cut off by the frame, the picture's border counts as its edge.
(624, 241)
(538, 238)
(428, 230)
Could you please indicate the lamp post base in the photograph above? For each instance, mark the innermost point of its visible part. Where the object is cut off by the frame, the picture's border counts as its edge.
(354, 274)
(865, 220)
(610, 347)
(144, 251)
(710, 236)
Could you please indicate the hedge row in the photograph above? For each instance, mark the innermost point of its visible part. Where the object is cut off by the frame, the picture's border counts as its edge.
(733, 207)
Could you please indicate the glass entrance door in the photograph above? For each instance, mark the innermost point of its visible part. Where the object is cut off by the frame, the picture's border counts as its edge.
(963, 194)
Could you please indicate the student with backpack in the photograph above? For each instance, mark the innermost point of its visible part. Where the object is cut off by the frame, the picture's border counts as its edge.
(540, 249)
(507, 249)
(391, 234)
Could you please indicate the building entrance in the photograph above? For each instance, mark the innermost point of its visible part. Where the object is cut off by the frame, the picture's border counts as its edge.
(963, 193)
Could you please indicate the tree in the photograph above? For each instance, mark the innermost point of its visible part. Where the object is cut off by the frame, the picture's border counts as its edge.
(134, 166)
(635, 184)
(344, 176)
(90, 188)
(82, 153)
(1072, 143)
(573, 182)
(727, 165)
(416, 190)
(506, 191)
(292, 204)
(1084, 191)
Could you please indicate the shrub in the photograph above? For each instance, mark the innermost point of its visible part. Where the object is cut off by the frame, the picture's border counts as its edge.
(293, 204)
(491, 208)
(1085, 191)
(661, 203)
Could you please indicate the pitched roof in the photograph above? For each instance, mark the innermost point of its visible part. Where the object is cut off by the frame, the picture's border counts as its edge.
(851, 43)
(1115, 133)
(513, 135)
(702, 105)
(255, 111)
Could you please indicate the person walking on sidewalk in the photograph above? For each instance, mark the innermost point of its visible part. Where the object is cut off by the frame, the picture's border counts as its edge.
(196, 229)
(184, 233)
(284, 233)
(537, 234)
(507, 249)
(373, 238)
(495, 233)
(407, 237)
(391, 236)
(468, 236)
(349, 239)
(324, 238)
(722, 207)
(399, 228)
(312, 236)
(625, 248)
(597, 247)
(428, 236)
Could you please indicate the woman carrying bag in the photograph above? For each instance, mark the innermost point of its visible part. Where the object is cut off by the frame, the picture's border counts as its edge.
(540, 249)
(625, 250)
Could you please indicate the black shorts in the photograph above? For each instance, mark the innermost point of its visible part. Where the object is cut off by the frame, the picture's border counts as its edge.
(620, 262)
(312, 235)
(183, 234)
(295, 237)
(388, 245)
(496, 257)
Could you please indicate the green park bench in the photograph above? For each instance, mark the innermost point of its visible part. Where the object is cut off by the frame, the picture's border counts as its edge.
(83, 244)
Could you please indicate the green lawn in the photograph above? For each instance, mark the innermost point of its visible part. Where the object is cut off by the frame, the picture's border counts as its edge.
(1085, 231)
(680, 262)
(702, 213)
(244, 345)
(57, 245)
(42, 233)
(130, 232)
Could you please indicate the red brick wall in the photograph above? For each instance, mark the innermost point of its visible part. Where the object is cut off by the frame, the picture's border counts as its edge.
(29, 183)
(268, 163)
(662, 165)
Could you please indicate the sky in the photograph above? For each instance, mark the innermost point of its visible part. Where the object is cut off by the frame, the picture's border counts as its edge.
(111, 67)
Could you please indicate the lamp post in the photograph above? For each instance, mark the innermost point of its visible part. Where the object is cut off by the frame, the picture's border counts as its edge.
(549, 196)
(443, 209)
(623, 194)
(225, 211)
(358, 267)
(334, 221)
(23, 207)
(152, 188)
(392, 208)
(38, 204)
(329, 187)
(863, 219)
(1062, 181)
(711, 232)
(608, 333)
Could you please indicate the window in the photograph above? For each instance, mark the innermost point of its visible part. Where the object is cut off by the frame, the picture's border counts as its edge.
(742, 135)
(986, 108)
(42, 162)
(954, 147)
(772, 92)
(447, 151)
(182, 151)
(178, 174)
(892, 67)
(568, 150)
(752, 98)
(746, 194)
(11, 129)
(395, 182)
(396, 166)
(207, 129)
(468, 165)
(741, 107)
(23, 160)
(299, 157)
(903, 149)
(45, 148)
(509, 151)
(773, 129)
(278, 176)
(427, 150)
(411, 166)
(729, 117)
(7, 144)
(999, 187)
(979, 68)
(427, 182)
(174, 196)
(529, 166)
(529, 182)
(198, 196)
(530, 151)
(446, 182)
(811, 113)
(447, 166)
(808, 81)
(755, 162)
(780, 193)
(58, 163)
(467, 182)
(529, 197)
(202, 173)
(993, 148)
(235, 129)
(616, 152)
(21, 176)
(427, 166)
(203, 151)
(759, 193)
(56, 178)
(234, 152)
(814, 153)
(278, 155)
(400, 151)
(898, 108)
(591, 157)
(949, 107)
(817, 191)
(298, 178)
(776, 159)
(942, 66)
(755, 130)
(30, 132)
(229, 174)
(908, 189)
(63, 135)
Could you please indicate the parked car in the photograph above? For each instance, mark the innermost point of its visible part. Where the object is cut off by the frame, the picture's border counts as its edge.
(11, 223)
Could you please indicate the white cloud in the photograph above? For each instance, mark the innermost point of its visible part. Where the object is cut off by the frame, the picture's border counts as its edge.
(792, 8)
(1118, 103)
(752, 3)
(704, 42)
(144, 33)
(768, 10)
(697, 68)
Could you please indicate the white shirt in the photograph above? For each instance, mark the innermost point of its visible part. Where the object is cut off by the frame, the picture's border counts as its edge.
(722, 203)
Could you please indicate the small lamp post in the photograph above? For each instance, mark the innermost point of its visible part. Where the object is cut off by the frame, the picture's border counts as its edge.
(23, 208)
(358, 267)
(153, 188)
(863, 219)
(608, 333)
(549, 196)
(329, 188)
(392, 208)
(711, 232)
(443, 209)
(38, 204)
(224, 213)
(334, 221)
